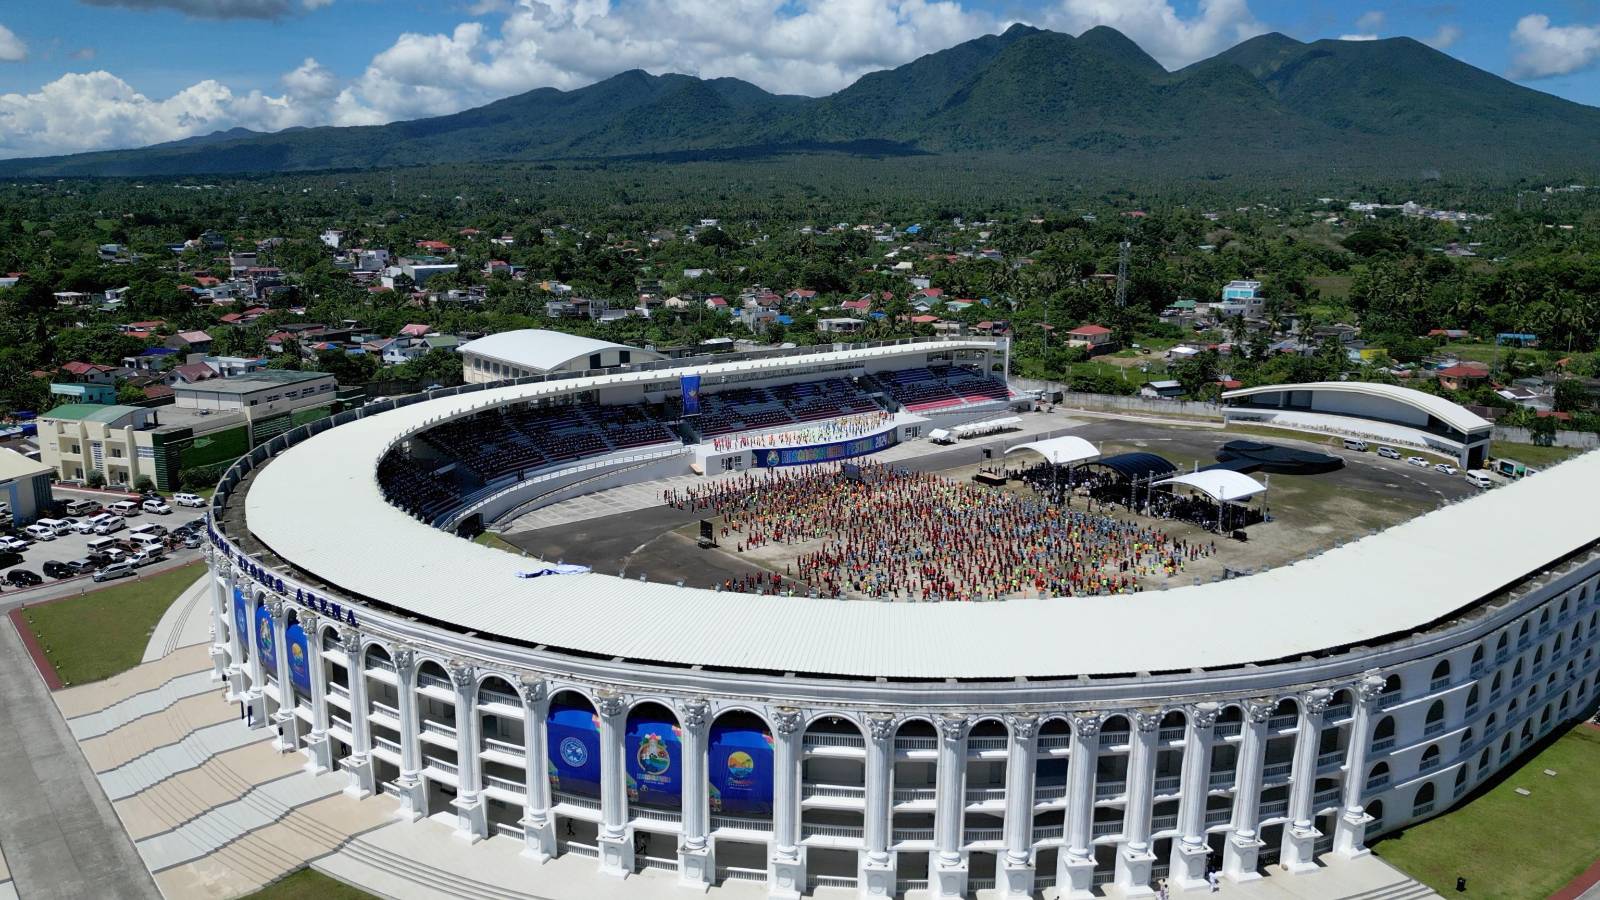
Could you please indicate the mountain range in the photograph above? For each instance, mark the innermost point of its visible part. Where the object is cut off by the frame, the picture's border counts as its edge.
(1392, 107)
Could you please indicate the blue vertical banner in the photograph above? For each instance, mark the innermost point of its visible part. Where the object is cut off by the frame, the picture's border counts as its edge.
(740, 771)
(241, 624)
(299, 658)
(689, 386)
(655, 763)
(573, 738)
(265, 640)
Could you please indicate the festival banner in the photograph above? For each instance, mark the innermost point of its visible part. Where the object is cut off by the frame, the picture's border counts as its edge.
(265, 640)
(574, 750)
(689, 386)
(654, 763)
(740, 771)
(241, 623)
(299, 658)
(819, 453)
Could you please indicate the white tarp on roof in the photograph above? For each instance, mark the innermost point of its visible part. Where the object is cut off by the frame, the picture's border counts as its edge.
(1061, 451)
(1220, 484)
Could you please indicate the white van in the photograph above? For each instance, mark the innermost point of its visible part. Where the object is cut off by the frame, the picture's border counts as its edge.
(144, 540)
(112, 524)
(56, 525)
(1356, 445)
(40, 532)
(124, 508)
(1479, 478)
(102, 544)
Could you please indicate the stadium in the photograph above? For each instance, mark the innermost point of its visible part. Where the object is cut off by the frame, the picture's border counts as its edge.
(814, 735)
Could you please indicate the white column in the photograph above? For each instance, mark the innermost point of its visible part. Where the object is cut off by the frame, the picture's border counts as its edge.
(472, 815)
(219, 617)
(948, 865)
(786, 873)
(1349, 835)
(696, 863)
(359, 763)
(1134, 859)
(288, 723)
(236, 666)
(538, 826)
(318, 749)
(1016, 869)
(1300, 837)
(256, 694)
(616, 839)
(1075, 869)
(1243, 845)
(413, 790)
(875, 871)
(1189, 854)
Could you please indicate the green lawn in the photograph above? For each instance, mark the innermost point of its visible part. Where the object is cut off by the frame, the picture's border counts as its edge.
(1508, 846)
(1474, 351)
(1532, 454)
(490, 539)
(307, 884)
(105, 631)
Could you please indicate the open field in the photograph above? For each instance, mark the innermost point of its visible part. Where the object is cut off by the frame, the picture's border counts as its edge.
(1533, 454)
(102, 633)
(309, 884)
(1507, 846)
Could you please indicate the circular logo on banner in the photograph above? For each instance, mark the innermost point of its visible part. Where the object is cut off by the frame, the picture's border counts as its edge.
(653, 756)
(740, 767)
(773, 458)
(573, 752)
(297, 653)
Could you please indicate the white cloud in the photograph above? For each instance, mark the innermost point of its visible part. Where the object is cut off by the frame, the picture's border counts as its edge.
(1541, 50)
(1358, 37)
(1371, 21)
(83, 53)
(312, 81)
(220, 9)
(1157, 27)
(12, 49)
(1445, 37)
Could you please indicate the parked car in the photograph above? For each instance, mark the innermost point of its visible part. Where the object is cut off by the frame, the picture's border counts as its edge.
(1355, 444)
(82, 507)
(86, 526)
(22, 578)
(157, 506)
(14, 544)
(193, 541)
(150, 528)
(190, 500)
(110, 525)
(145, 557)
(119, 569)
(1479, 478)
(40, 532)
(58, 527)
(1417, 461)
(54, 569)
(80, 566)
(1445, 468)
(1388, 453)
(124, 508)
(65, 526)
(9, 558)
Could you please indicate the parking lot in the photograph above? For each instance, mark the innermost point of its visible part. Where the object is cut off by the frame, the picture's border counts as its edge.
(74, 546)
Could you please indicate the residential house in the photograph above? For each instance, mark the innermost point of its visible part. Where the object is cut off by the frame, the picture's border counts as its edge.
(1241, 298)
(90, 373)
(840, 325)
(1091, 337)
(194, 373)
(1161, 390)
(192, 341)
(1463, 376)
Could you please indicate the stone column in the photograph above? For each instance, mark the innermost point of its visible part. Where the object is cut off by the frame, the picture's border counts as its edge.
(538, 826)
(1189, 853)
(1350, 832)
(616, 838)
(219, 618)
(1300, 837)
(1134, 859)
(1244, 845)
(256, 693)
(319, 749)
(472, 814)
(412, 788)
(786, 873)
(696, 862)
(948, 867)
(1075, 869)
(288, 723)
(359, 763)
(876, 870)
(236, 666)
(1016, 867)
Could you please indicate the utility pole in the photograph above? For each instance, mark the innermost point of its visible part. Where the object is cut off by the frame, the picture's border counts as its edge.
(1122, 274)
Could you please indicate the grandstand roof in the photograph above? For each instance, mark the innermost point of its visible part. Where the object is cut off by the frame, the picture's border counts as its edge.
(1452, 414)
(543, 350)
(1060, 451)
(1220, 484)
(1438, 563)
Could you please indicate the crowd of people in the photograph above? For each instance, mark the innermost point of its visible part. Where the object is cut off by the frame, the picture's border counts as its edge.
(1097, 490)
(840, 429)
(891, 533)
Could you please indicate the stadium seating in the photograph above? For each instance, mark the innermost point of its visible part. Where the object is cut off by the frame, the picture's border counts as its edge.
(941, 387)
(756, 409)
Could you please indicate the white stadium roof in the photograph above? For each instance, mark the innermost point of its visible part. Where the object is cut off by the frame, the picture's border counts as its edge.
(318, 504)
(1219, 484)
(1060, 451)
(535, 348)
(1453, 414)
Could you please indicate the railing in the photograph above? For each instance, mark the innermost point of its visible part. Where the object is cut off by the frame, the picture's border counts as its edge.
(912, 795)
(448, 768)
(390, 788)
(1274, 809)
(1170, 733)
(1104, 829)
(831, 881)
(985, 795)
(654, 815)
(504, 784)
(913, 834)
(490, 695)
(985, 744)
(1330, 760)
(1432, 728)
(509, 830)
(1105, 789)
(1168, 784)
(1439, 684)
(834, 740)
(480, 500)
(1382, 744)
(657, 862)
(1229, 729)
(901, 885)
(505, 747)
(338, 690)
(1048, 832)
(1390, 699)
(428, 679)
(1277, 771)
(386, 744)
(1326, 797)
(916, 743)
(1423, 809)
(741, 824)
(736, 873)
(1501, 657)
(980, 884)
(439, 728)
(577, 849)
(577, 800)
(1054, 742)
(1470, 711)
(378, 662)
(834, 831)
(1218, 816)
(1430, 763)
(979, 835)
(1164, 823)
(340, 721)
(1282, 721)
(1103, 876)
(1221, 779)
(833, 790)
(1113, 738)
(1378, 782)
(1338, 711)
(1047, 792)
(386, 709)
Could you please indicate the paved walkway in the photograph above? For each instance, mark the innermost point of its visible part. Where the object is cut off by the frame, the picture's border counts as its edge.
(187, 621)
(58, 832)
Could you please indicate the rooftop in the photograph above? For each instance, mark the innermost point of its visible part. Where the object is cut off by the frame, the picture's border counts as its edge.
(545, 350)
(14, 465)
(261, 379)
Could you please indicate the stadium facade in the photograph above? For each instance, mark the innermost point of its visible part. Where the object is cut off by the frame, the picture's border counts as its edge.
(892, 747)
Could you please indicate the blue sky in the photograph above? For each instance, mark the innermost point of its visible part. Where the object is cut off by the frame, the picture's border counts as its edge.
(87, 74)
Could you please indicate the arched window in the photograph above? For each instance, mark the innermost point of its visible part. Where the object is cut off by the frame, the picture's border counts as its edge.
(1477, 655)
(1378, 777)
(1375, 810)
(1466, 739)
(1383, 735)
(1423, 804)
(1504, 639)
(1461, 781)
(1441, 675)
(1472, 697)
(1431, 758)
(1435, 713)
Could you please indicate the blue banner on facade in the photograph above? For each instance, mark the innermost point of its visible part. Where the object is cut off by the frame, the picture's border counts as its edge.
(654, 763)
(689, 385)
(265, 640)
(573, 735)
(299, 658)
(819, 453)
(740, 771)
(241, 623)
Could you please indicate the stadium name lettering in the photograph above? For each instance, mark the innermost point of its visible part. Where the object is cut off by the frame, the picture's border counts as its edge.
(325, 606)
(337, 612)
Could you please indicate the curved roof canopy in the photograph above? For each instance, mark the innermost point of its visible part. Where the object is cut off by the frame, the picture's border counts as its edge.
(1136, 465)
(1060, 451)
(1452, 414)
(543, 350)
(1220, 484)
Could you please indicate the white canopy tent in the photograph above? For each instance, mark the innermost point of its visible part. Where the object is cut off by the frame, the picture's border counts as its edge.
(1221, 485)
(1061, 451)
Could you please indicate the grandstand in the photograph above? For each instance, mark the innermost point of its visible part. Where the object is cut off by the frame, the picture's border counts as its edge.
(919, 390)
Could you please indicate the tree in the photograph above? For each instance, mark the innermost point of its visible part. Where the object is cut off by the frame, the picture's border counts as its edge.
(1198, 373)
(130, 394)
(1570, 396)
(96, 479)
(143, 484)
(347, 368)
(1544, 430)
